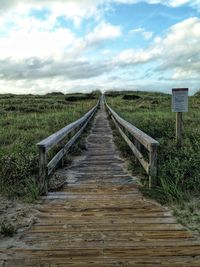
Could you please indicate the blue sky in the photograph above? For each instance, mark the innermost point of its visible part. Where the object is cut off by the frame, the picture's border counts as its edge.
(81, 45)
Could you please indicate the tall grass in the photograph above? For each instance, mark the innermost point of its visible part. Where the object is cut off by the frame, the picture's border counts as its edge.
(178, 168)
(24, 121)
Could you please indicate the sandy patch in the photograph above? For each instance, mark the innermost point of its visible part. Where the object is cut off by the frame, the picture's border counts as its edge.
(15, 217)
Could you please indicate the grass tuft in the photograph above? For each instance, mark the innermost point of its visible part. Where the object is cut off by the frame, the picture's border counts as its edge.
(7, 230)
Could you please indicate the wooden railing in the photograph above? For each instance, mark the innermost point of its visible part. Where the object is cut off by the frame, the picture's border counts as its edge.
(140, 138)
(45, 167)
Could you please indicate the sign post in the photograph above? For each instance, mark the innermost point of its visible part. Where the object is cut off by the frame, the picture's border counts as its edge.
(179, 105)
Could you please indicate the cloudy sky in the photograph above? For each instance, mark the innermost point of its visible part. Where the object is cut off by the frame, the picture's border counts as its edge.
(80, 45)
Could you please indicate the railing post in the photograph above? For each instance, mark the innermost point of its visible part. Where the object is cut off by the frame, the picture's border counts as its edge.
(138, 146)
(43, 187)
(153, 164)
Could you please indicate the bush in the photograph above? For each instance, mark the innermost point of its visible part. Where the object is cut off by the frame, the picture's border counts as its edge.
(17, 168)
(75, 98)
(55, 94)
(131, 97)
(7, 229)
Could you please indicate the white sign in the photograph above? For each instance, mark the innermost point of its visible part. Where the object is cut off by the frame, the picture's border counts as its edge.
(180, 100)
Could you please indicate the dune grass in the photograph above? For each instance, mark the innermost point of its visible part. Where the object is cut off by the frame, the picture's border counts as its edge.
(24, 121)
(178, 168)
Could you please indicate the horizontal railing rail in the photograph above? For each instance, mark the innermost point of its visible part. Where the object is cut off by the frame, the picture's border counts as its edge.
(140, 138)
(45, 167)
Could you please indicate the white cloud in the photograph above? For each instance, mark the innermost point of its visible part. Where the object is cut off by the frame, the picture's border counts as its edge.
(103, 31)
(29, 37)
(23, 43)
(175, 56)
(131, 57)
(76, 10)
(79, 9)
(35, 68)
(147, 35)
(180, 50)
(101, 34)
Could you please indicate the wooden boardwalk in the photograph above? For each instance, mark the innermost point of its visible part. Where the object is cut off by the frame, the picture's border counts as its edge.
(99, 218)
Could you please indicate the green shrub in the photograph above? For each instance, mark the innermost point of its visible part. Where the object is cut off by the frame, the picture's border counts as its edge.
(7, 230)
(130, 97)
(75, 98)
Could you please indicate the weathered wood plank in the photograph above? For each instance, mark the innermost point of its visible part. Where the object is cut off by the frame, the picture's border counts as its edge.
(42, 170)
(153, 165)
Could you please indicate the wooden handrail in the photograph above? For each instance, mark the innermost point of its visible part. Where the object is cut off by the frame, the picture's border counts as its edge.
(45, 168)
(139, 138)
(55, 138)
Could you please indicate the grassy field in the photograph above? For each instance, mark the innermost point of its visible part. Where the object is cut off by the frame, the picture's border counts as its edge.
(179, 168)
(24, 121)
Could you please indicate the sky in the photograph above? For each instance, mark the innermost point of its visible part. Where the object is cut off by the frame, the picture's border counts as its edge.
(82, 45)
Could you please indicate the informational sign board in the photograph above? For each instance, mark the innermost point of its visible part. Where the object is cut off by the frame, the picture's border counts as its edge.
(180, 100)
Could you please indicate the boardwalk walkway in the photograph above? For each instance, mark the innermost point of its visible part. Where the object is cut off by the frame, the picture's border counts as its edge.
(99, 218)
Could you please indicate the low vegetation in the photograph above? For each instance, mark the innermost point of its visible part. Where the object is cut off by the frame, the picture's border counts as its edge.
(79, 97)
(178, 168)
(24, 121)
(7, 230)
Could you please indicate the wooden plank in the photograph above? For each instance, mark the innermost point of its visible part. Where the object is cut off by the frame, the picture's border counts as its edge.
(117, 253)
(152, 165)
(42, 170)
(138, 146)
(179, 129)
(147, 261)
